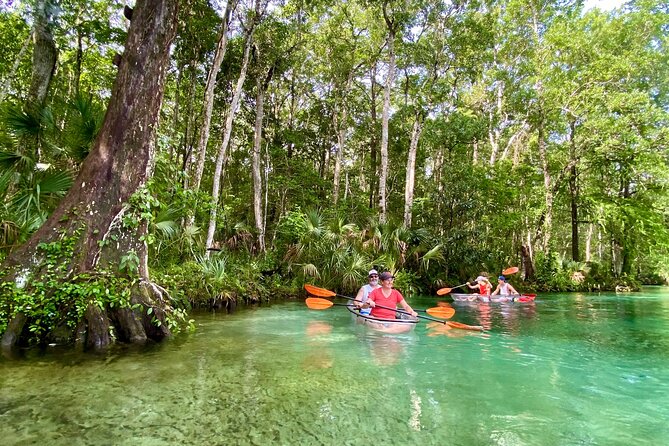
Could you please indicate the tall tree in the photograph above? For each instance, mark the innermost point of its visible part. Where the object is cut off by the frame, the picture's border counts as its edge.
(96, 215)
(11, 25)
(45, 53)
(393, 23)
(205, 125)
(254, 17)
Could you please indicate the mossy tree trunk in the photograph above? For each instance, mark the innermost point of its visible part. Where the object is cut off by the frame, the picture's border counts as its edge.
(96, 211)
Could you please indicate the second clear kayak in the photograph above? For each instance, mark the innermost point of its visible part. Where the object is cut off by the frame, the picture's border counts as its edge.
(462, 297)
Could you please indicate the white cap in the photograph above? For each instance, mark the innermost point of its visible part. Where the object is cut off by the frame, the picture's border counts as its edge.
(372, 271)
(481, 279)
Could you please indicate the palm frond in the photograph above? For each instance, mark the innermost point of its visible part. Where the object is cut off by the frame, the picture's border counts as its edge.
(314, 224)
(167, 228)
(16, 161)
(310, 270)
(213, 268)
(84, 126)
(354, 271)
(165, 222)
(433, 254)
(56, 182)
(5, 181)
(21, 123)
(9, 233)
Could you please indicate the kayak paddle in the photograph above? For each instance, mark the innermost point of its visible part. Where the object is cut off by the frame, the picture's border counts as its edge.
(441, 312)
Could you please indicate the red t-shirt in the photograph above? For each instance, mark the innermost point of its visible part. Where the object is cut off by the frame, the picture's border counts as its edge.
(485, 289)
(391, 301)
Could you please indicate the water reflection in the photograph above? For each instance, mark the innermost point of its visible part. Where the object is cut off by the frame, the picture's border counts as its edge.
(316, 329)
(386, 350)
(511, 317)
(318, 355)
(439, 329)
(485, 316)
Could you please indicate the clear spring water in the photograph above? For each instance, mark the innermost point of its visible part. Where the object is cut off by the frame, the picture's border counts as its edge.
(570, 369)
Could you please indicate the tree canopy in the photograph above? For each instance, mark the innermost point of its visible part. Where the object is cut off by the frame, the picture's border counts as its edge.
(312, 140)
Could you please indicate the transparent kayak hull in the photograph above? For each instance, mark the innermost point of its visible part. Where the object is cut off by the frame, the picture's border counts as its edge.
(462, 297)
(394, 326)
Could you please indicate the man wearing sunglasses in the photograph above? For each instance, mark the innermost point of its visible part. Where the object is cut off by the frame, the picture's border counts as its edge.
(363, 292)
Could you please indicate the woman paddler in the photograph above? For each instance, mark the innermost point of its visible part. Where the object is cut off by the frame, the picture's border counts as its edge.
(387, 297)
(484, 286)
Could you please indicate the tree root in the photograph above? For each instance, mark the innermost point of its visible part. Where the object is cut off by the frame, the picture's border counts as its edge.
(97, 333)
(101, 327)
(13, 332)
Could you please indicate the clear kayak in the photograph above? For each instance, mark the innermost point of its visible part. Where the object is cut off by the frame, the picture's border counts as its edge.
(393, 326)
(463, 297)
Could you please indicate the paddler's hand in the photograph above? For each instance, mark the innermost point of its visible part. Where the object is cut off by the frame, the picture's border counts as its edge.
(414, 314)
(371, 303)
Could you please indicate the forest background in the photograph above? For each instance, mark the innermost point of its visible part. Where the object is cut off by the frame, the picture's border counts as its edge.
(309, 141)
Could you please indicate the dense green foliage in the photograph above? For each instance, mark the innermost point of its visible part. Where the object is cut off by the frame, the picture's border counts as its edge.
(536, 119)
(54, 308)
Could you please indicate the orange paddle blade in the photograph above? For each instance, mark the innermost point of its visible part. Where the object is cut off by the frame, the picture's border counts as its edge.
(462, 326)
(441, 312)
(316, 303)
(442, 291)
(526, 298)
(512, 270)
(320, 292)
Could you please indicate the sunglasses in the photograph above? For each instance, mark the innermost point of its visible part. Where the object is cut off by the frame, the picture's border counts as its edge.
(373, 276)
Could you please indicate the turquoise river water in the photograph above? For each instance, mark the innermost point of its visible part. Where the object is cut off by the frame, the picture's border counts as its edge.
(569, 369)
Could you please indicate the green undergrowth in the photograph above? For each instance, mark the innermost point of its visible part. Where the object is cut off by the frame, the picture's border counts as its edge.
(221, 279)
(50, 303)
(54, 302)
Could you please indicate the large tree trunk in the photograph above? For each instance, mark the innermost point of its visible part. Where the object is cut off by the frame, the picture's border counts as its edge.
(189, 131)
(175, 134)
(528, 264)
(495, 132)
(588, 242)
(201, 148)
(438, 164)
(625, 244)
(78, 61)
(291, 116)
(340, 120)
(92, 214)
